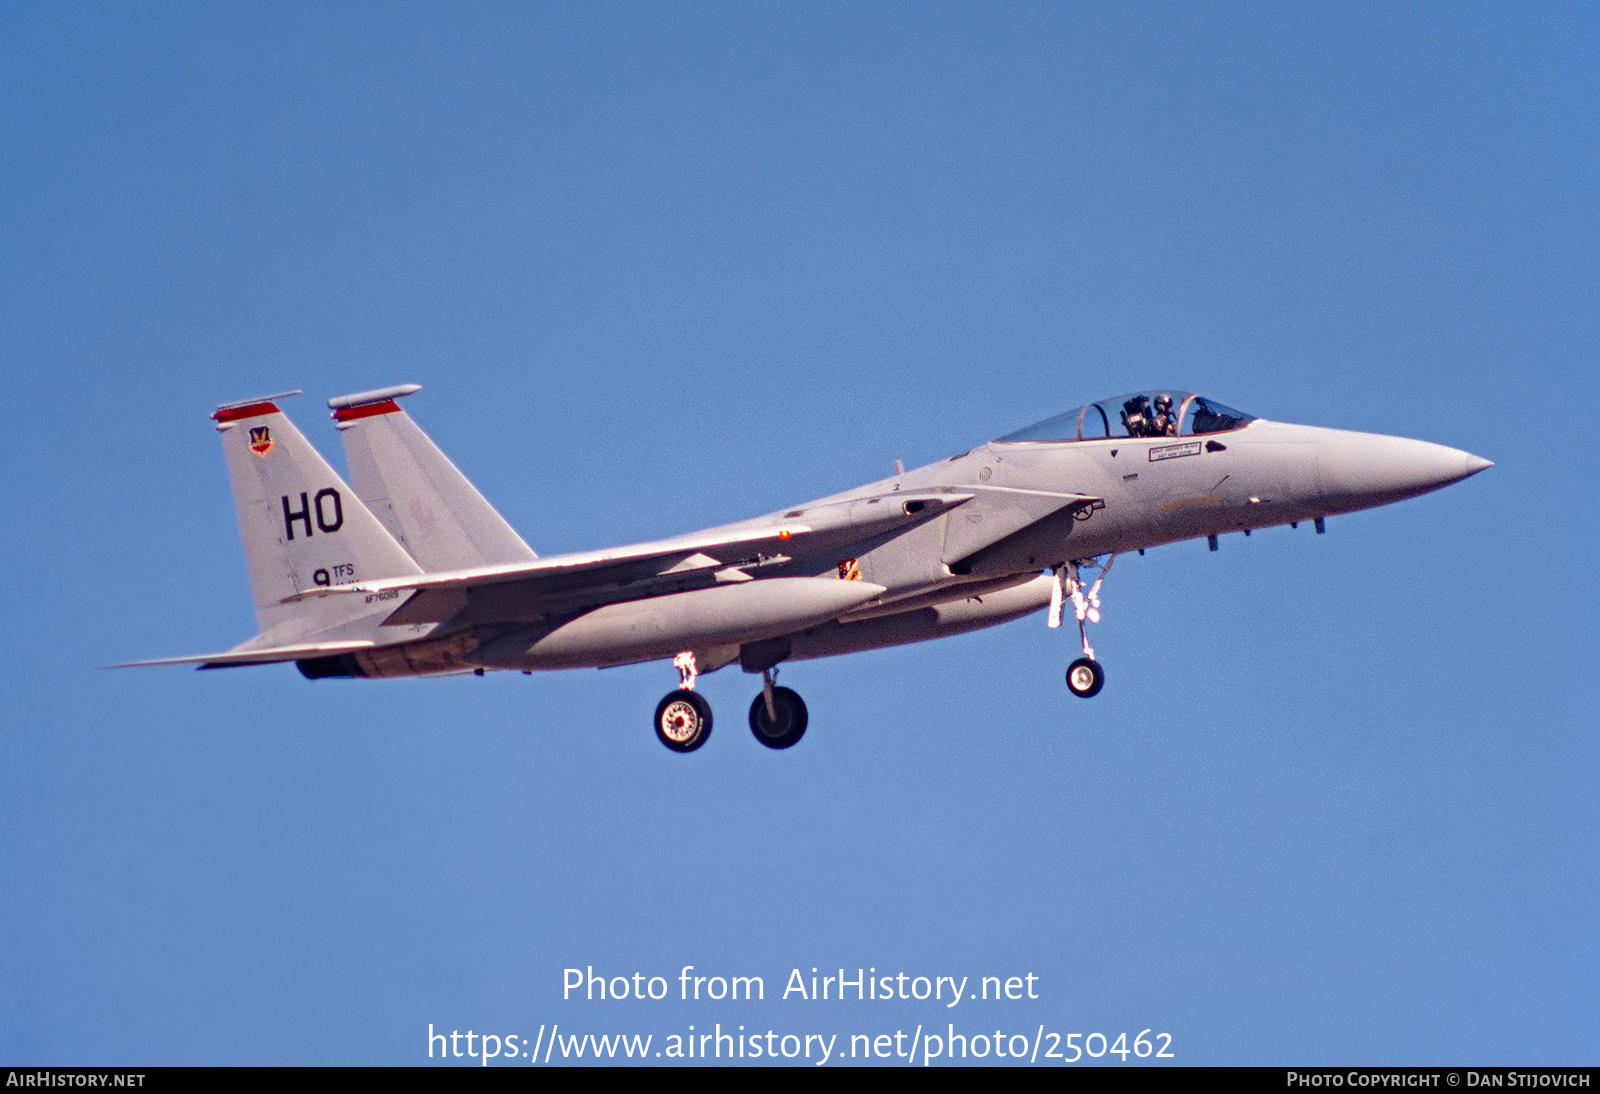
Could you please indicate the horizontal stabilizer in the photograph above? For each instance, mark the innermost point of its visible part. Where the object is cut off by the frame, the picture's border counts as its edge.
(265, 655)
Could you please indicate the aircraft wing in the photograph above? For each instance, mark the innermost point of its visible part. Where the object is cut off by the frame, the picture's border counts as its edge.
(533, 589)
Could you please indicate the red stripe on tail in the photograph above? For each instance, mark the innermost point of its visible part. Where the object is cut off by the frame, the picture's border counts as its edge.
(351, 413)
(253, 410)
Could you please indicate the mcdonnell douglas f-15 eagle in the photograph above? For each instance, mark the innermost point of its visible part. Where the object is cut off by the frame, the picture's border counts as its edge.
(411, 572)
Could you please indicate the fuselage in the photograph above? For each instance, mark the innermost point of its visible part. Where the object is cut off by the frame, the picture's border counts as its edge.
(1029, 506)
(411, 572)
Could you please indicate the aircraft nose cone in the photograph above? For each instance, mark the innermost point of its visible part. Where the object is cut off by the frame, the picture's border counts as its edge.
(1358, 470)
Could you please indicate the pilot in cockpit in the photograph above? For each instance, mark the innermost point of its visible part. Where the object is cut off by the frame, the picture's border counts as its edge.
(1165, 423)
(1136, 416)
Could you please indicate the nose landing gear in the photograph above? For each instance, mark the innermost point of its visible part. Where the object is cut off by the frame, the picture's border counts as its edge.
(1085, 677)
(683, 717)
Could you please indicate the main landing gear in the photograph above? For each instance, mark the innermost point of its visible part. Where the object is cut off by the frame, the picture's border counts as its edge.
(1085, 677)
(778, 715)
(683, 718)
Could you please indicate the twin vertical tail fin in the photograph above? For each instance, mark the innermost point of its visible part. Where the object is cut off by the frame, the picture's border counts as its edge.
(420, 497)
(303, 527)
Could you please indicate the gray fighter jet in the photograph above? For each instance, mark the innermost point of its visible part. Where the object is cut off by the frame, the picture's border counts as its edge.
(413, 573)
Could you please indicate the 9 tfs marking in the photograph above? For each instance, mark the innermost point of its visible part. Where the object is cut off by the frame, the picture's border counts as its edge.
(327, 506)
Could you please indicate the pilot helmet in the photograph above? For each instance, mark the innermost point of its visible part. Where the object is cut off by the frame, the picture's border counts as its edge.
(1163, 402)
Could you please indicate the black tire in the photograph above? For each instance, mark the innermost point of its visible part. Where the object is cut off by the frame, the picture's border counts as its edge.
(1085, 678)
(790, 724)
(683, 720)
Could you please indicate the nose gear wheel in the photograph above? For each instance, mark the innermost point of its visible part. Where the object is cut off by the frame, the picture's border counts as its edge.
(1085, 677)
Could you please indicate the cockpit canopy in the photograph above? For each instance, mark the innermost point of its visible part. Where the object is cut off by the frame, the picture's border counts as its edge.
(1144, 414)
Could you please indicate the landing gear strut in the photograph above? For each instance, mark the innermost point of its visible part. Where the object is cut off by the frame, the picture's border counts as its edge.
(778, 716)
(1085, 677)
(683, 717)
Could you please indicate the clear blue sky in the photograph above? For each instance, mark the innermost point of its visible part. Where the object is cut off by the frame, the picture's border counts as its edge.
(663, 266)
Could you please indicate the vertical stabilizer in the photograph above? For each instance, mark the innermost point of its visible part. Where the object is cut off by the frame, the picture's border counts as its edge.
(302, 525)
(413, 488)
